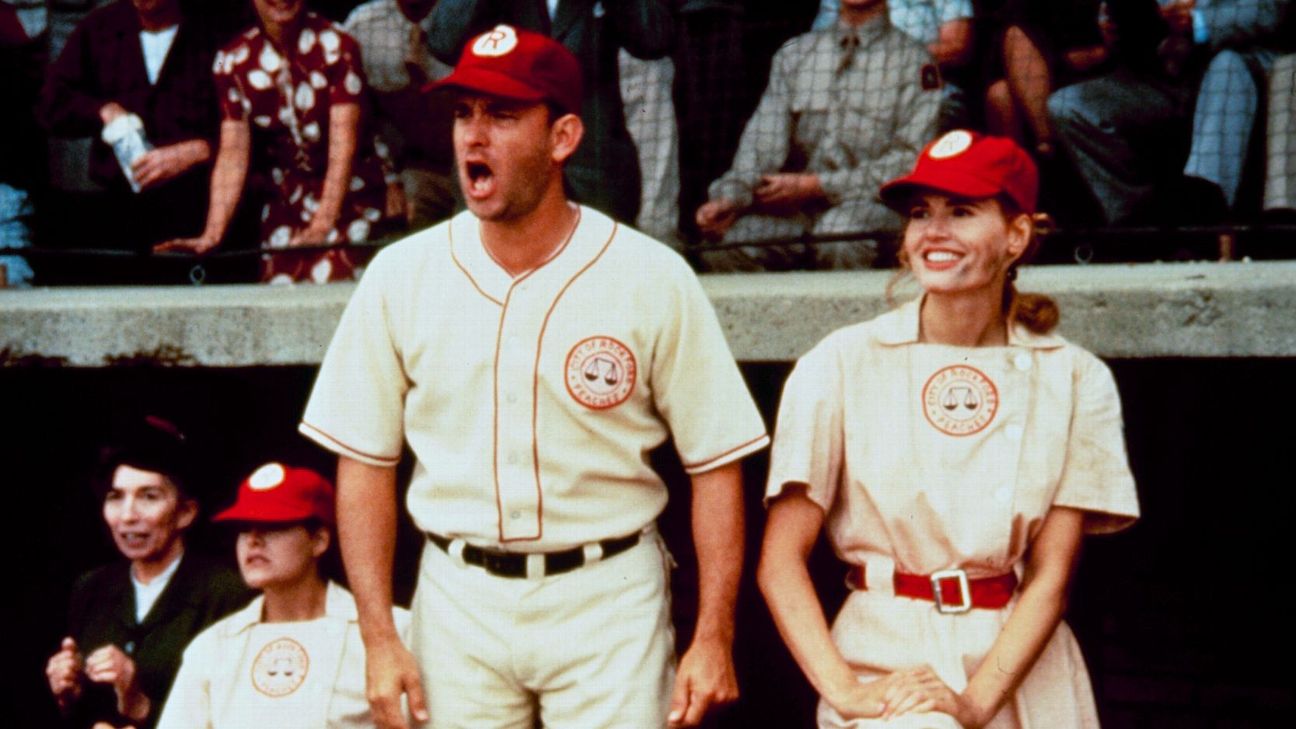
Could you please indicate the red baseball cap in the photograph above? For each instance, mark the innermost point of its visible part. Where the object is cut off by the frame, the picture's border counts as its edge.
(279, 493)
(971, 165)
(517, 64)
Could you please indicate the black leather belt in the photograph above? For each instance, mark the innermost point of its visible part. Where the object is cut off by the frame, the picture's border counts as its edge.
(514, 564)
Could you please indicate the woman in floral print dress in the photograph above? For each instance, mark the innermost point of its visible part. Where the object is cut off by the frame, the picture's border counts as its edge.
(291, 93)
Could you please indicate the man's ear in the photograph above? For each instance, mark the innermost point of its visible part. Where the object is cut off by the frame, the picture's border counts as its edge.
(565, 136)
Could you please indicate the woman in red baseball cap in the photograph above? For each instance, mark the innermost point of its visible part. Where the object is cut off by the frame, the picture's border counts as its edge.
(954, 450)
(293, 657)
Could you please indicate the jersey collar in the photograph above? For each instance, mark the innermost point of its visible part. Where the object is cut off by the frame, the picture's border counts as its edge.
(900, 326)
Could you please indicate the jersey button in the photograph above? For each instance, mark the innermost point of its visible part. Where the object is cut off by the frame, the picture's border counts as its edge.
(515, 515)
(1013, 431)
(512, 397)
(1022, 361)
(1003, 494)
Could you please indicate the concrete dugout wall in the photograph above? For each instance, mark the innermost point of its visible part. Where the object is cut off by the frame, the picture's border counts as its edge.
(1182, 618)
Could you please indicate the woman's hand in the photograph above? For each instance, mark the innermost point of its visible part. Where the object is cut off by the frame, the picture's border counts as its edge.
(860, 700)
(165, 163)
(317, 233)
(109, 665)
(198, 246)
(63, 670)
(921, 690)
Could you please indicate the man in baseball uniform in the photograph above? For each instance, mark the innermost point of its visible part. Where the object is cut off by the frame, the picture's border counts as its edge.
(532, 352)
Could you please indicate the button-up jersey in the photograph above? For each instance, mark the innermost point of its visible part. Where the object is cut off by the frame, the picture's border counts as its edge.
(531, 402)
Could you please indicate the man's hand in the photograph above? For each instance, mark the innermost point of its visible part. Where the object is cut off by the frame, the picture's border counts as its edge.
(706, 678)
(63, 670)
(109, 665)
(390, 672)
(164, 163)
(715, 217)
(787, 193)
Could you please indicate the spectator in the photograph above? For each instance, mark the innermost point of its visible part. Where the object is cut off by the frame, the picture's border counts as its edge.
(291, 93)
(650, 119)
(129, 621)
(1128, 130)
(1239, 37)
(1280, 185)
(22, 32)
(712, 96)
(144, 60)
(299, 641)
(846, 109)
(1043, 46)
(604, 173)
(945, 26)
(398, 64)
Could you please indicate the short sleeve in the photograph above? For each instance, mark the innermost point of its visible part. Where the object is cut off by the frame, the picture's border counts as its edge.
(808, 438)
(230, 94)
(1096, 476)
(356, 408)
(697, 387)
(343, 68)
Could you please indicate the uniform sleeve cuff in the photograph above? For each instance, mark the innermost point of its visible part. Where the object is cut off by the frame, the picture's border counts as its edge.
(328, 442)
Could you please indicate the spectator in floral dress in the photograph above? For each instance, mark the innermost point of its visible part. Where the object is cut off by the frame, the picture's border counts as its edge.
(291, 91)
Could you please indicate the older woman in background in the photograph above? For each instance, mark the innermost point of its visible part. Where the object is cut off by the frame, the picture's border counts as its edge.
(130, 620)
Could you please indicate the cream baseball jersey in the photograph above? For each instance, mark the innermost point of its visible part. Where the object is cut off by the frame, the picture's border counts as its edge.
(531, 402)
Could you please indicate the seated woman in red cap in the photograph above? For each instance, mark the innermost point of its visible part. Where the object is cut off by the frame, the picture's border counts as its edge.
(955, 450)
(293, 657)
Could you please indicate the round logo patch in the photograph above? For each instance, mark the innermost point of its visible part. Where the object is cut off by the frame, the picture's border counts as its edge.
(496, 42)
(280, 668)
(601, 372)
(955, 142)
(960, 400)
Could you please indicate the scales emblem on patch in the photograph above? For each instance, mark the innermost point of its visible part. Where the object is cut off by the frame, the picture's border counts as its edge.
(600, 372)
(280, 668)
(960, 400)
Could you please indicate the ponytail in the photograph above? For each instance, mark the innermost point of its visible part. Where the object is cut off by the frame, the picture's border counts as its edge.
(1037, 312)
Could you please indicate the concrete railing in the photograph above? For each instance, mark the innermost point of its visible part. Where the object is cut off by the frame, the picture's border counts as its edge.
(1117, 311)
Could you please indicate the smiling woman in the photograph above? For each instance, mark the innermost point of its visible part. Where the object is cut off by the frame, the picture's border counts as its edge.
(955, 451)
(129, 621)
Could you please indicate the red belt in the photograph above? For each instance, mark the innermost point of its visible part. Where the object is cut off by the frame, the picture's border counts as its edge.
(951, 590)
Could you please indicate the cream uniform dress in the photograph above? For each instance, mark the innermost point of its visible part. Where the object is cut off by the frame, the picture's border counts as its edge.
(241, 673)
(928, 457)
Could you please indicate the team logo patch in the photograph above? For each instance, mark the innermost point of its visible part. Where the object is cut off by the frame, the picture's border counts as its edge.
(497, 42)
(960, 400)
(953, 143)
(601, 372)
(280, 668)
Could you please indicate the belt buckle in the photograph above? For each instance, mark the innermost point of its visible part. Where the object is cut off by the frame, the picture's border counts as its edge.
(965, 594)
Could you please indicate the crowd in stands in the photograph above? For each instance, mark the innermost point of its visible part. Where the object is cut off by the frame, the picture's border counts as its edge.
(273, 136)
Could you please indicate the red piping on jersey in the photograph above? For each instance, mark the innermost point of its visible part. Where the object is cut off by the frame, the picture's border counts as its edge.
(343, 446)
(703, 465)
(535, 373)
(460, 266)
(499, 334)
